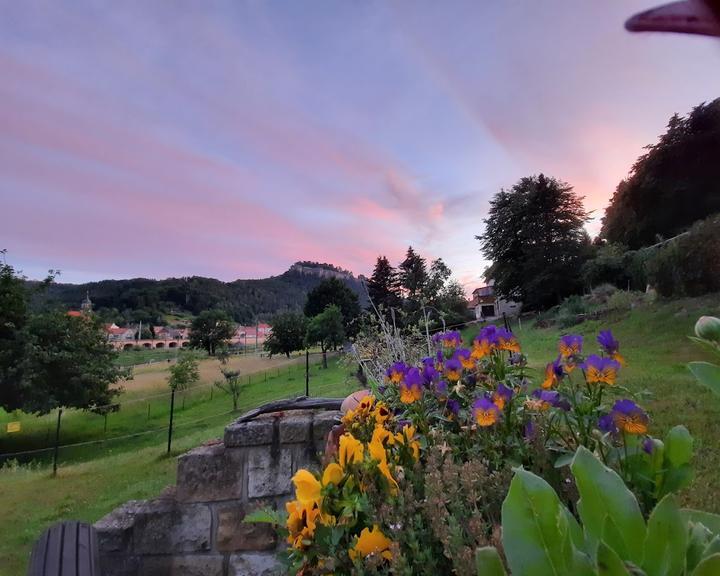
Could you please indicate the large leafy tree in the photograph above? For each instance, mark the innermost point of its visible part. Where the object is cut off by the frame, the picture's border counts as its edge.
(326, 329)
(675, 183)
(334, 291)
(211, 330)
(535, 237)
(288, 333)
(51, 360)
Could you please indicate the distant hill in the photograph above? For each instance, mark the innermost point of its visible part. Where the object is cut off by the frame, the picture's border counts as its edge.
(245, 300)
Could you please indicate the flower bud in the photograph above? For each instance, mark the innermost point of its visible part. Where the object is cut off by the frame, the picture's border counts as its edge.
(708, 328)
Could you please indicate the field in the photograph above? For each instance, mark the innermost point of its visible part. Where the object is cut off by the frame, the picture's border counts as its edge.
(94, 479)
(653, 339)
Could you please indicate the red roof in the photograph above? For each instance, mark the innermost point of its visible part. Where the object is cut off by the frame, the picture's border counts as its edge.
(74, 313)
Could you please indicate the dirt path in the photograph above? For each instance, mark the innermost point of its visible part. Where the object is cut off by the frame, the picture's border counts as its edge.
(154, 376)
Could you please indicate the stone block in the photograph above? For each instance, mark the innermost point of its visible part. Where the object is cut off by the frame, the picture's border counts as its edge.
(254, 564)
(166, 527)
(269, 473)
(256, 432)
(295, 427)
(210, 473)
(234, 535)
(119, 565)
(114, 530)
(322, 424)
(189, 565)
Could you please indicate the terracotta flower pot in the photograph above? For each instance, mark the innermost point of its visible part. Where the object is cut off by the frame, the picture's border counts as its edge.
(333, 439)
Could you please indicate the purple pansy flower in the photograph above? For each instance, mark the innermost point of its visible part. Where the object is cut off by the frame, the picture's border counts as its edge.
(453, 406)
(600, 369)
(570, 345)
(396, 372)
(629, 417)
(453, 369)
(606, 423)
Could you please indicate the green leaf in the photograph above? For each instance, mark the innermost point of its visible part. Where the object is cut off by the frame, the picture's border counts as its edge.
(666, 540)
(535, 528)
(564, 460)
(266, 516)
(707, 374)
(675, 479)
(710, 566)
(678, 446)
(708, 519)
(603, 493)
(712, 548)
(609, 563)
(488, 563)
(576, 532)
(698, 540)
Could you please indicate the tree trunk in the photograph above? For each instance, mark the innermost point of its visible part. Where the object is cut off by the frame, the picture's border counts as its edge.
(324, 359)
(287, 354)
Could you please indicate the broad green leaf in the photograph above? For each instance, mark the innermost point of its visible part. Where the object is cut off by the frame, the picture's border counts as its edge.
(576, 532)
(707, 374)
(603, 493)
(675, 479)
(612, 537)
(564, 460)
(710, 566)
(678, 446)
(666, 540)
(712, 548)
(265, 516)
(535, 528)
(609, 563)
(488, 563)
(698, 539)
(708, 519)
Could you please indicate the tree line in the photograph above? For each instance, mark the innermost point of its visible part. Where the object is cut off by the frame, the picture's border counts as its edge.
(540, 252)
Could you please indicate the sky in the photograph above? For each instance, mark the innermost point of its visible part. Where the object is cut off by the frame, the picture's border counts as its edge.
(231, 139)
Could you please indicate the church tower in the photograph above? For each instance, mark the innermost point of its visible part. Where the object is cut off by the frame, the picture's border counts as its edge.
(87, 304)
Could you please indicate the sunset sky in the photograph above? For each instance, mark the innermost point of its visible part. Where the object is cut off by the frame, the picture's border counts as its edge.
(230, 139)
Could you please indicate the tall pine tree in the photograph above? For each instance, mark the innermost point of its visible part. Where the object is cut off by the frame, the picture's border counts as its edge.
(383, 286)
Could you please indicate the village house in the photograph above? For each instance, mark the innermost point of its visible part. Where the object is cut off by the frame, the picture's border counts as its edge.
(488, 306)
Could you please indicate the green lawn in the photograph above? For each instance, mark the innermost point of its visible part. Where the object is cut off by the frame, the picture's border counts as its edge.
(92, 480)
(654, 341)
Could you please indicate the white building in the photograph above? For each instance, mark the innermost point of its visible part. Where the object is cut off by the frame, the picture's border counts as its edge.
(488, 306)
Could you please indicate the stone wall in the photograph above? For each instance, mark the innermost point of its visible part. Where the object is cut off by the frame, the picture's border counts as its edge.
(196, 527)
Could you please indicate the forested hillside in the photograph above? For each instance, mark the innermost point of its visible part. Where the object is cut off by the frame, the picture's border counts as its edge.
(247, 301)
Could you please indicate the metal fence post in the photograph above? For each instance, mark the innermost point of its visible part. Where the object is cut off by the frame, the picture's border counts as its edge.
(172, 409)
(57, 443)
(307, 373)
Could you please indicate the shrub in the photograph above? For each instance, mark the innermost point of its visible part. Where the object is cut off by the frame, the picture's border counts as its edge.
(688, 265)
(623, 300)
(601, 294)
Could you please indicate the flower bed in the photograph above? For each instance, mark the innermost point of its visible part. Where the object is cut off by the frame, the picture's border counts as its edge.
(470, 462)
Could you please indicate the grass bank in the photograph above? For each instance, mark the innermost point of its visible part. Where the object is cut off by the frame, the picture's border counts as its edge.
(654, 340)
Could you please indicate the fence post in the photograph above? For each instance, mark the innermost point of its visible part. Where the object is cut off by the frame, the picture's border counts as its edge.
(172, 409)
(57, 443)
(307, 373)
(148, 416)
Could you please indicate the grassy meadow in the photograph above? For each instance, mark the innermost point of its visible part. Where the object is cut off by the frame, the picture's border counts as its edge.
(94, 479)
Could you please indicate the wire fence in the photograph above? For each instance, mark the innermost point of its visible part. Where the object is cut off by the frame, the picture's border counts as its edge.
(73, 435)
